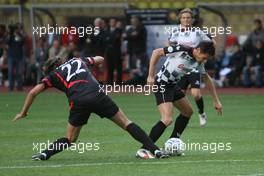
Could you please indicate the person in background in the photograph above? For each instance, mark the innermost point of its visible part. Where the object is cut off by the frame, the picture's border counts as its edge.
(255, 66)
(113, 52)
(15, 54)
(231, 66)
(3, 60)
(136, 36)
(256, 34)
(98, 40)
(57, 50)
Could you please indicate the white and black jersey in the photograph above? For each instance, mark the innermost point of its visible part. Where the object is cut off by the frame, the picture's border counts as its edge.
(188, 37)
(179, 62)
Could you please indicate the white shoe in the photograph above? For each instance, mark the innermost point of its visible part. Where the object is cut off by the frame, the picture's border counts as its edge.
(203, 119)
(144, 154)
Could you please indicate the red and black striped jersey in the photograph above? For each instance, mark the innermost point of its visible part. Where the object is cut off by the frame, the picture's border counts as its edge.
(73, 77)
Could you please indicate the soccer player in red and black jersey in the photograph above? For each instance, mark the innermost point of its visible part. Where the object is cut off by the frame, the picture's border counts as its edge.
(83, 91)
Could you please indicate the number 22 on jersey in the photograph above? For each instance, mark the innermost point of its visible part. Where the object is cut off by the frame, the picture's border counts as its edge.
(70, 71)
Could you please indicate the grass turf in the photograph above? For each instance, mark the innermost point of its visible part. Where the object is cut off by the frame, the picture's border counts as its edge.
(242, 125)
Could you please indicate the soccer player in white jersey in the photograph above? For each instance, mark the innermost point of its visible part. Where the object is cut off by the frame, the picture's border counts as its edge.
(190, 36)
(181, 60)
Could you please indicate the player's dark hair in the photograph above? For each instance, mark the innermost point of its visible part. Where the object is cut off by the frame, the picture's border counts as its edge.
(207, 47)
(51, 64)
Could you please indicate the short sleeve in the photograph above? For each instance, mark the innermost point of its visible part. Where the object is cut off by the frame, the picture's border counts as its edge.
(50, 80)
(89, 61)
(47, 81)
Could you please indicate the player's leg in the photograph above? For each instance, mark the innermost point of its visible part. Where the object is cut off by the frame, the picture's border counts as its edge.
(60, 144)
(105, 107)
(164, 101)
(196, 93)
(77, 118)
(166, 113)
(182, 120)
(195, 81)
(136, 132)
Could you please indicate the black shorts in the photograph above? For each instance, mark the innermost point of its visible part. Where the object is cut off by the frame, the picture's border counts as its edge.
(172, 93)
(193, 79)
(82, 107)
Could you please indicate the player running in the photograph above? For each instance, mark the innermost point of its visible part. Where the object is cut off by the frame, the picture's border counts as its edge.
(190, 36)
(82, 90)
(180, 61)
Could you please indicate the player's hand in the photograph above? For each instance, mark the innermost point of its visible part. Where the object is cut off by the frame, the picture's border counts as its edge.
(150, 80)
(19, 116)
(218, 108)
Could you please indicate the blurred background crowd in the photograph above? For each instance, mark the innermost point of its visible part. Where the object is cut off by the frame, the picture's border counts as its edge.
(123, 43)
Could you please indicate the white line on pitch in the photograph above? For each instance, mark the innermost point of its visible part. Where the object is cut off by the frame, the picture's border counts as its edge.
(121, 163)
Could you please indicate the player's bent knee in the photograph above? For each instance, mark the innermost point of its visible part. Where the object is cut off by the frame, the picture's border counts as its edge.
(121, 120)
(188, 112)
(167, 121)
(196, 95)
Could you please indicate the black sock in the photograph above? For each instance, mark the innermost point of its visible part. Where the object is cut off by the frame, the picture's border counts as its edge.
(200, 105)
(137, 133)
(157, 130)
(180, 124)
(56, 147)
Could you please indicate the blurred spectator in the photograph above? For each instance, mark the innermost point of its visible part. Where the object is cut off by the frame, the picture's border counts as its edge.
(136, 36)
(232, 65)
(71, 36)
(3, 60)
(97, 41)
(256, 34)
(113, 52)
(255, 66)
(71, 51)
(51, 36)
(57, 50)
(39, 59)
(3, 69)
(15, 56)
(237, 61)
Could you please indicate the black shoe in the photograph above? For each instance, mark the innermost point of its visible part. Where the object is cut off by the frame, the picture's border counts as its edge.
(39, 156)
(161, 154)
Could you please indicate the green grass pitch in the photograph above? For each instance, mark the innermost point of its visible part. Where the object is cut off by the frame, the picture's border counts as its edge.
(242, 125)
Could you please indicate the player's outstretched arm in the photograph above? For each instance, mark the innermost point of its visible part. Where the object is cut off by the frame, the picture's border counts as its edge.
(156, 54)
(209, 83)
(29, 100)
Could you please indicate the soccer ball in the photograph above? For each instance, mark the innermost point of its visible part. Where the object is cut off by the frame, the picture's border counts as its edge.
(174, 146)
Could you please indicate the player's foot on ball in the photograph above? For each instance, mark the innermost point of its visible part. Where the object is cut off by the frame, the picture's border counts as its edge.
(161, 154)
(144, 154)
(39, 156)
(203, 119)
